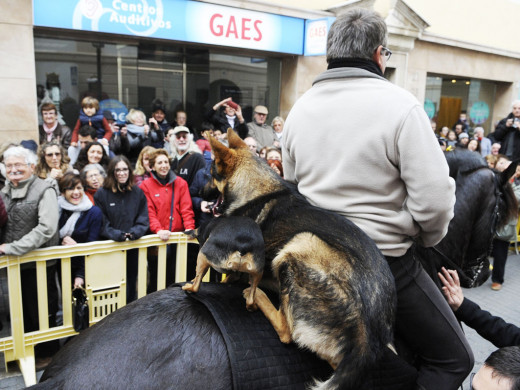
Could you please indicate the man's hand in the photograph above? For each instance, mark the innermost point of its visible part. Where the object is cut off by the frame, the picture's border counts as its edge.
(153, 122)
(509, 122)
(451, 288)
(205, 206)
(103, 141)
(78, 282)
(67, 240)
(164, 234)
(2, 249)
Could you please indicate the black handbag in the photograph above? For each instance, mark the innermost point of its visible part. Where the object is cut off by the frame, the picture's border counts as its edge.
(80, 309)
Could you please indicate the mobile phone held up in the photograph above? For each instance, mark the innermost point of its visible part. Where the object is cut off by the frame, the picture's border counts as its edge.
(232, 104)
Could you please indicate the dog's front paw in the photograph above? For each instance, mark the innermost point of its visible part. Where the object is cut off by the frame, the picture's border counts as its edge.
(250, 304)
(189, 287)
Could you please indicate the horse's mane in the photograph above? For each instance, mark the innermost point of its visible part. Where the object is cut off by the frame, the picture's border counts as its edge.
(464, 161)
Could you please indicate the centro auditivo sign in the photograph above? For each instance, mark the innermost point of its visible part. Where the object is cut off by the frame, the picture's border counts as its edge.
(179, 20)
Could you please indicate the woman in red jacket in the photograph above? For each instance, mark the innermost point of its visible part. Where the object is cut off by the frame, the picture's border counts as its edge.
(166, 214)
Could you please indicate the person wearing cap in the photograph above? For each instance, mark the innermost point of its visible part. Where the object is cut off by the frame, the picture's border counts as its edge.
(259, 130)
(463, 140)
(187, 157)
(223, 116)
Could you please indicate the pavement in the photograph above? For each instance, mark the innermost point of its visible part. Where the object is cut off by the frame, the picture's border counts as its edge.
(504, 303)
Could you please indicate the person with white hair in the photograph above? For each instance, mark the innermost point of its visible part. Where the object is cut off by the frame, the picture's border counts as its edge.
(187, 157)
(485, 142)
(32, 209)
(507, 132)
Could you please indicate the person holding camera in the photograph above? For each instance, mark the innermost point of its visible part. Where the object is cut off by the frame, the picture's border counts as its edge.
(507, 132)
(125, 212)
(225, 114)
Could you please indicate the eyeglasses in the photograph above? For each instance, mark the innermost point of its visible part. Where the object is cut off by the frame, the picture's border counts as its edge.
(57, 154)
(260, 113)
(122, 170)
(181, 135)
(386, 52)
(93, 176)
(15, 166)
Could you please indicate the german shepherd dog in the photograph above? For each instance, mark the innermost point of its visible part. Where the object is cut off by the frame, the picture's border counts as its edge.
(231, 244)
(337, 294)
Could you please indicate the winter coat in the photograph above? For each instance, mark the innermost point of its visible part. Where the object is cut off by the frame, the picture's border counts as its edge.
(159, 197)
(505, 135)
(61, 134)
(493, 329)
(124, 212)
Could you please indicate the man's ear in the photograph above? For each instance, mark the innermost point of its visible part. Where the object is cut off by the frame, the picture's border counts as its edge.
(378, 58)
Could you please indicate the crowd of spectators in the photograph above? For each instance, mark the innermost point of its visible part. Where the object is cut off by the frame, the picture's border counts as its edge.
(103, 180)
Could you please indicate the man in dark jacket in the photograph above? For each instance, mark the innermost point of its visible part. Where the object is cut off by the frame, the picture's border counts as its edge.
(187, 157)
(507, 133)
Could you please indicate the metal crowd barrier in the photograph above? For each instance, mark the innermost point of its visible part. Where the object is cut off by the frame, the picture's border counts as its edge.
(105, 283)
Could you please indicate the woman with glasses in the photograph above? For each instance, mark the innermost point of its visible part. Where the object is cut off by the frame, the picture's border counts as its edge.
(92, 176)
(125, 213)
(80, 221)
(53, 162)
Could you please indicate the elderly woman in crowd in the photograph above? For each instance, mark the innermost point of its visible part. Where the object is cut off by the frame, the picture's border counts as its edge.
(277, 125)
(53, 161)
(32, 210)
(169, 205)
(92, 177)
(125, 214)
(79, 221)
(93, 153)
(142, 169)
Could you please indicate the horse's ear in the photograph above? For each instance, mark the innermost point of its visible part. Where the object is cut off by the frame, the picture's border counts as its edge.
(508, 173)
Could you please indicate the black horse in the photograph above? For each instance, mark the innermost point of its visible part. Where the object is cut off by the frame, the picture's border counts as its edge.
(171, 340)
(484, 203)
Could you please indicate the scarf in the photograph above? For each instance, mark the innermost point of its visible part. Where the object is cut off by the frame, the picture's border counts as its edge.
(49, 131)
(63, 204)
(361, 63)
(134, 129)
(95, 120)
(231, 120)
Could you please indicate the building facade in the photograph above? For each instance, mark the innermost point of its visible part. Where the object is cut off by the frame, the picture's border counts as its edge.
(192, 54)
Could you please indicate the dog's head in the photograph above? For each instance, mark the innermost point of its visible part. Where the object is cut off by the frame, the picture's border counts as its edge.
(237, 174)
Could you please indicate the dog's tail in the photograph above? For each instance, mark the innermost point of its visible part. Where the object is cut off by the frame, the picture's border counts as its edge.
(351, 372)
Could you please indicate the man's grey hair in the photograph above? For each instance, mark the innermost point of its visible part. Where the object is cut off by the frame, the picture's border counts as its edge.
(515, 102)
(91, 167)
(20, 151)
(479, 130)
(356, 34)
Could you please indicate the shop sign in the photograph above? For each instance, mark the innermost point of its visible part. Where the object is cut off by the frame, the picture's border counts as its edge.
(180, 20)
(479, 112)
(116, 108)
(429, 107)
(316, 32)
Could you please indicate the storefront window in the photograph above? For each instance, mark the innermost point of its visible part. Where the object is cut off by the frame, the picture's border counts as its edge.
(184, 78)
(446, 97)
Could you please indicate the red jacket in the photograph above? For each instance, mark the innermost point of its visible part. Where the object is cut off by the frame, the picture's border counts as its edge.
(159, 204)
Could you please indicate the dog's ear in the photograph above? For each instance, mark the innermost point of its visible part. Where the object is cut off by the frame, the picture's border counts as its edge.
(235, 142)
(224, 156)
(192, 233)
